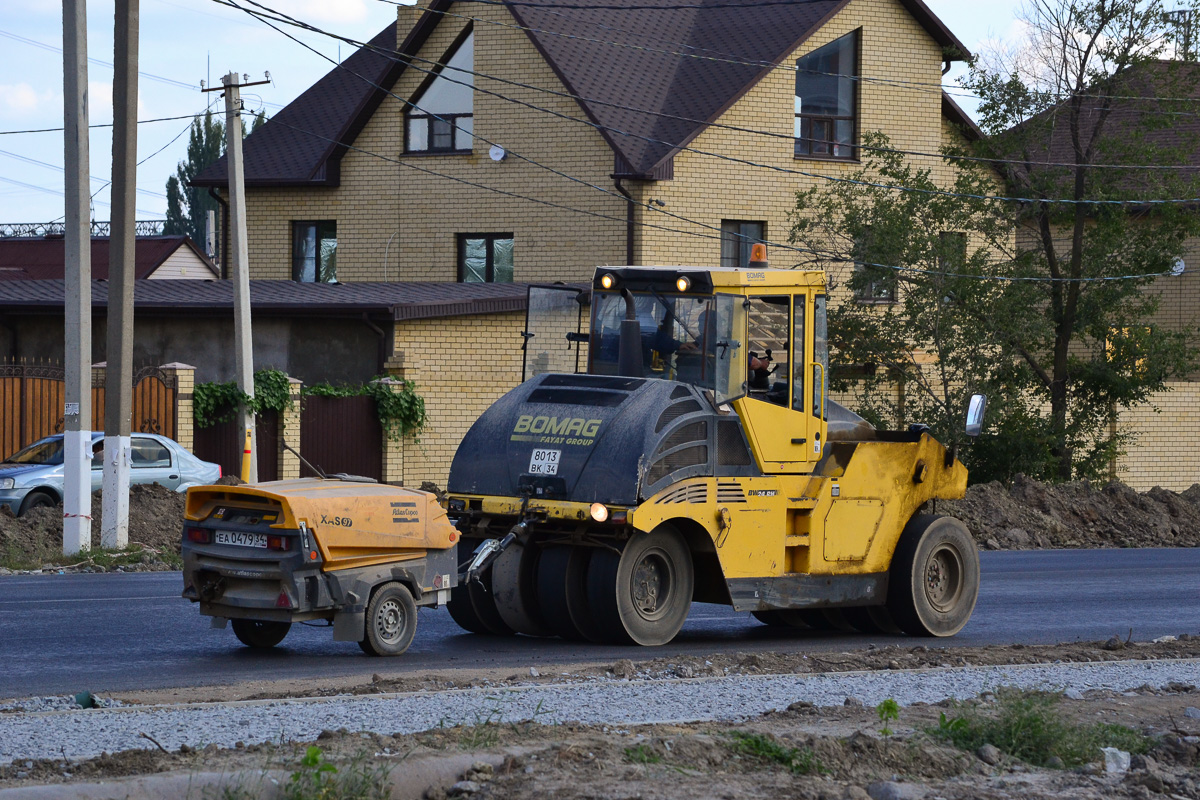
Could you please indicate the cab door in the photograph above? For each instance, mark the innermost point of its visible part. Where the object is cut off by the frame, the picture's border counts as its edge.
(783, 418)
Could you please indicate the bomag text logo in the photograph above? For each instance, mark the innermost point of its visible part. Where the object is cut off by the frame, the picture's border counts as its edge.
(554, 430)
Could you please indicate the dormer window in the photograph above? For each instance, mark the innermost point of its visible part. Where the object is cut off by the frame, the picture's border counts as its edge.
(827, 100)
(440, 119)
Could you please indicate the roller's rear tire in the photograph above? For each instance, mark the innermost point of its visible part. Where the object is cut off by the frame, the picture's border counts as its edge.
(514, 585)
(260, 634)
(934, 579)
(460, 607)
(642, 595)
(391, 621)
(552, 591)
(578, 605)
(871, 619)
(483, 602)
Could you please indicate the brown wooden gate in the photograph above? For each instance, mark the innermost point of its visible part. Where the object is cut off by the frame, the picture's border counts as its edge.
(32, 397)
(222, 444)
(341, 434)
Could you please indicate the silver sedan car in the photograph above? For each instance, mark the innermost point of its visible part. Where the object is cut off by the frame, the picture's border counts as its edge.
(33, 477)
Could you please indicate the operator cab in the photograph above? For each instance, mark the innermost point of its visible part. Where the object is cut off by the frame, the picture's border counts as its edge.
(754, 341)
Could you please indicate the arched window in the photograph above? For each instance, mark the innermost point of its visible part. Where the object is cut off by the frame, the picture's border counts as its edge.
(440, 117)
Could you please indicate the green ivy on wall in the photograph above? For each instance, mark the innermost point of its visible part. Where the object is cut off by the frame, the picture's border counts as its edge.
(400, 409)
(213, 403)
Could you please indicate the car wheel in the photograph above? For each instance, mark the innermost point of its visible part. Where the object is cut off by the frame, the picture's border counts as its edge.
(37, 500)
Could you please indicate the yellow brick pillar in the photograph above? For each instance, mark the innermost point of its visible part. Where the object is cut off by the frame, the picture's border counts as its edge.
(185, 384)
(289, 463)
(393, 450)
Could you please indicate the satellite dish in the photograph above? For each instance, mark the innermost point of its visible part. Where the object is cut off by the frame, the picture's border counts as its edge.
(496, 153)
(1178, 267)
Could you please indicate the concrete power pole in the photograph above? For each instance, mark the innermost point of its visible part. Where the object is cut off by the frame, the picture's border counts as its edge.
(239, 266)
(77, 411)
(118, 394)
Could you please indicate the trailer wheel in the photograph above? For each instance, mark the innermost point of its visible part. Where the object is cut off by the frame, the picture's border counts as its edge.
(934, 579)
(260, 634)
(391, 621)
(642, 595)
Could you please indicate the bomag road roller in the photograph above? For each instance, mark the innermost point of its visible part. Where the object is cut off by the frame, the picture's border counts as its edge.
(345, 550)
(686, 449)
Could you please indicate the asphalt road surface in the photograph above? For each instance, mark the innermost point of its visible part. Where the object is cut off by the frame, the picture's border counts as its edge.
(63, 634)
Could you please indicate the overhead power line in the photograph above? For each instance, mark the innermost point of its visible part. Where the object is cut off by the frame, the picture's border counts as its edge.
(48, 165)
(99, 62)
(100, 125)
(949, 88)
(278, 16)
(717, 232)
(60, 193)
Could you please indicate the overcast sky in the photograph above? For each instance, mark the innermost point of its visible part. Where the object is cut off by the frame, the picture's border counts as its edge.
(186, 41)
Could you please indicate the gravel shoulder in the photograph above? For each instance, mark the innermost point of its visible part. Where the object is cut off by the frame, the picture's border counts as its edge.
(611, 737)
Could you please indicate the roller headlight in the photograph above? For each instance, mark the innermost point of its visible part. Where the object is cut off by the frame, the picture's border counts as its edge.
(599, 512)
(608, 280)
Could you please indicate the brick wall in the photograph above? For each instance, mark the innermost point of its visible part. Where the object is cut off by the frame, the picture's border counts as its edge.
(460, 365)
(1164, 452)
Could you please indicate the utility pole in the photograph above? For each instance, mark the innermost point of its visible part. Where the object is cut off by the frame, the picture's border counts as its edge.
(77, 311)
(118, 393)
(239, 266)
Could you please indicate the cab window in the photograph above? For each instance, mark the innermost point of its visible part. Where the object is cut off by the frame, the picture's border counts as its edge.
(767, 355)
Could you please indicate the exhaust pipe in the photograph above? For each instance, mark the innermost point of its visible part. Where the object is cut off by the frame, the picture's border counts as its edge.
(629, 353)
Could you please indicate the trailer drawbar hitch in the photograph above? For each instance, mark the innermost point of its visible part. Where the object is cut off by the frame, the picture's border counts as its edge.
(488, 551)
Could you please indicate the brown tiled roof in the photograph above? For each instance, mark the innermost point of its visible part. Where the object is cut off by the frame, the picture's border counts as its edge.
(335, 107)
(43, 258)
(399, 300)
(726, 33)
(1148, 125)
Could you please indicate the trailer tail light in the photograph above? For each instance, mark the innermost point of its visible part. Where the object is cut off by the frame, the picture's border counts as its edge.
(279, 543)
(283, 601)
(199, 535)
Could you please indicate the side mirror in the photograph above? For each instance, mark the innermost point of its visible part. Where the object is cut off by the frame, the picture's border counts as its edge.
(975, 410)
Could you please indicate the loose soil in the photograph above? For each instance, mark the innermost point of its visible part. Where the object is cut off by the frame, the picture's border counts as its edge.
(849, 755)
(1030, 515)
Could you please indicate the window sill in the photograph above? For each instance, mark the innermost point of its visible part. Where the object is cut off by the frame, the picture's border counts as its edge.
(808, 157)
(869, 301)
(424, 153)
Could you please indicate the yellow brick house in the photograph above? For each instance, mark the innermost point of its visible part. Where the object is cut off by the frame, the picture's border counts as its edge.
(531, 142)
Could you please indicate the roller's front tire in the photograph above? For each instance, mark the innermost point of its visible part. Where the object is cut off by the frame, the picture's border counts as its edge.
(934, 579)
(642, 595)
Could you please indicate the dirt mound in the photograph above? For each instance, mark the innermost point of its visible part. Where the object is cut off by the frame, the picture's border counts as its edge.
(1029, 515)
(155, 521)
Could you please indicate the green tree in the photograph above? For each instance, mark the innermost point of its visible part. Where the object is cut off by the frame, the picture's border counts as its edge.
(187, 206)
(1030, 301)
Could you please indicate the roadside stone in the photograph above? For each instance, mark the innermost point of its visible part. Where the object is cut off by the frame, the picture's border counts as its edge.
(325, 734)
(856, 793)
(890, 790)
(464, 788)
(1073, 694)
(624, 669)
(990, 754)
(991, 544)
(1142, 762)
(1191, 712)
(893, 664)
(435, 793)
(1054, 762)
(533, 672)
(1114, 643)
(853, 702)
(1116, 762)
